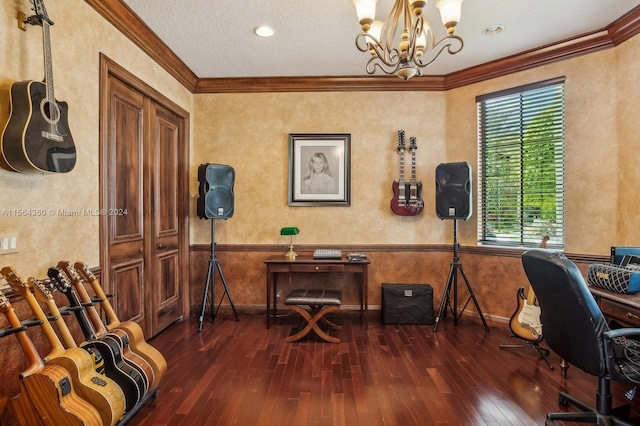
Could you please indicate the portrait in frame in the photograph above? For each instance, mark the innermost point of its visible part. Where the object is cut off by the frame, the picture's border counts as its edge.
(319, 169)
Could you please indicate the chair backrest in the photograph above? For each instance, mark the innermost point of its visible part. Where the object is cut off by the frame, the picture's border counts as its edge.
(572, 323)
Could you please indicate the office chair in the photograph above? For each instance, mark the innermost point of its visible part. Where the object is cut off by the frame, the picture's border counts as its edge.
(576, 330)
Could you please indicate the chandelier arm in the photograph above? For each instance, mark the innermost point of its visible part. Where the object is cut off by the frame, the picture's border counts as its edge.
(414, 36)
(390, 25)
(365, 42)
(438, 48)
(386, 67)
(417, 48)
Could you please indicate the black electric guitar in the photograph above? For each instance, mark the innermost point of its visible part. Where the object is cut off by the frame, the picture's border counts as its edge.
(37, 138)
(525, 321)
(415, 186)
(115, 366)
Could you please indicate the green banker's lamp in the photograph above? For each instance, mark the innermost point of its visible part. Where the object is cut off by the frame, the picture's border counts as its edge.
(290, 230)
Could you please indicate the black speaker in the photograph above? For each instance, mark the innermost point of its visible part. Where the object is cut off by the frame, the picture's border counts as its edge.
(215, 193)
(453, 191)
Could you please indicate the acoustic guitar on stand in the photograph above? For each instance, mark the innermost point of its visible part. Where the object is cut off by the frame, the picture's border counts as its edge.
(100, 391)
(121, 336)
(116, 367)
(49, 387)
(525, 321)
(401, 203)
(133, 329)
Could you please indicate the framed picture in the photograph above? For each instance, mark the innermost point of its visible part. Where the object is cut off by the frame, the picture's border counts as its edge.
(319, 169)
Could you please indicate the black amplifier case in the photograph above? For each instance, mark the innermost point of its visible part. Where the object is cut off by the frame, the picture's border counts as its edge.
(407, 304)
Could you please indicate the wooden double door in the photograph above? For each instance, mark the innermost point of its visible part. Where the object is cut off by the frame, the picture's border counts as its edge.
(144, 197)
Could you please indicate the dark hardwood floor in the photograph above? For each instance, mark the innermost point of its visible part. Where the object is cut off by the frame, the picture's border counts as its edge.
(240, 373)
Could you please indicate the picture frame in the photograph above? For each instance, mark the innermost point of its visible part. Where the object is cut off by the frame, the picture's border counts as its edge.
(319, 169)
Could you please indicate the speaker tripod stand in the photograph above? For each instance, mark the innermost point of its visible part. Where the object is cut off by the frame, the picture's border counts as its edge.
(452, 281)
(214, 264)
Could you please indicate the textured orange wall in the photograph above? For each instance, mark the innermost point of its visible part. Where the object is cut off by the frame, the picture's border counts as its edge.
(78, 37)
(249, 132)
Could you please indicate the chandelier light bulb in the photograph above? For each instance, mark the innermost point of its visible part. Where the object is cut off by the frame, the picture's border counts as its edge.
(366, 11)
(450, 11)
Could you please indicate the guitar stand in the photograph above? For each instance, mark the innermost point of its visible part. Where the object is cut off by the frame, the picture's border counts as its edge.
(452, 281)
(532, 345)
(213, 263)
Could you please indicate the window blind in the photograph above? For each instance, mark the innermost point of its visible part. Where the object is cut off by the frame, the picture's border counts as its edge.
(521, 165)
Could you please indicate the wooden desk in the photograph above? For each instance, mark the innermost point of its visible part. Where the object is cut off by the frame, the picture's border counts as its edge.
(621, 308)
(307, 264)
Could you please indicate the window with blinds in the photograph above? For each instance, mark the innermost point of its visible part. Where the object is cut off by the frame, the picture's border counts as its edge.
(521, 165)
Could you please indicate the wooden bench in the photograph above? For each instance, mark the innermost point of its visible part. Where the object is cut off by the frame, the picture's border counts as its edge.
(320, 303)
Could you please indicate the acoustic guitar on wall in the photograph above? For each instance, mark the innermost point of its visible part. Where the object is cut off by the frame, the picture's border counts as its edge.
(37, 138)
(525, 321)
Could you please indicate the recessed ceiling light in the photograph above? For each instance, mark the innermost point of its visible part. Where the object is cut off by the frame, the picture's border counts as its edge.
(263, 31)
(492, 30)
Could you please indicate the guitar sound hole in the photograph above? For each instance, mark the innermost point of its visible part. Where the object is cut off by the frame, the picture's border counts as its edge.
(50, 111)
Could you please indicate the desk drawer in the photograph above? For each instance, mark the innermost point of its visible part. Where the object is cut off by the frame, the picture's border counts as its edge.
(317, 268)
(620, 312)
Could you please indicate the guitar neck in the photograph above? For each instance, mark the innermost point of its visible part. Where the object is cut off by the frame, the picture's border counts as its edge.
(63, 329)
(35, 363)
(57, 348)
(83, 269)
(401, 181)
(81, 315)
(48, 65)
(22, 288)
(531, 295)
(413, 166)
(85, 299)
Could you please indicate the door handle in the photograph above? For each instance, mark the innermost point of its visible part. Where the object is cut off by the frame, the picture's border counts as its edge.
(161, 246)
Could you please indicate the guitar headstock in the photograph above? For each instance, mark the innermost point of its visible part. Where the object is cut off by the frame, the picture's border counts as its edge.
(40, 290)
(41, 12)
(5, 306)
(59, 279)
(412, 144)
(401, 146)
(69, 271)
(83, 269)
(14, 280)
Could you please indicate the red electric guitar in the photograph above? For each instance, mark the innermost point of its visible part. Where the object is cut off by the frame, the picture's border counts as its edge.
(405, 199)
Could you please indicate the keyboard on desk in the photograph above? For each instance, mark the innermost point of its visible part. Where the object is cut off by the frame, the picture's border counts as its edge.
(327, 254)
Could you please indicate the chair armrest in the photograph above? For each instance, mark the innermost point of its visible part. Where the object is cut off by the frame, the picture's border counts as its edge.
(629, 332)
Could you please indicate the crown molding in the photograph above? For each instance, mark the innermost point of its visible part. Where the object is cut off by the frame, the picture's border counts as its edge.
(126, 21)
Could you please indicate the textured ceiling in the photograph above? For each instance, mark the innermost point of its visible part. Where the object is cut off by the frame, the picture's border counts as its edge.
(317, 37)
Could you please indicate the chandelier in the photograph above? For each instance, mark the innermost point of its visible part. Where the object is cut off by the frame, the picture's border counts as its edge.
(416, 48)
